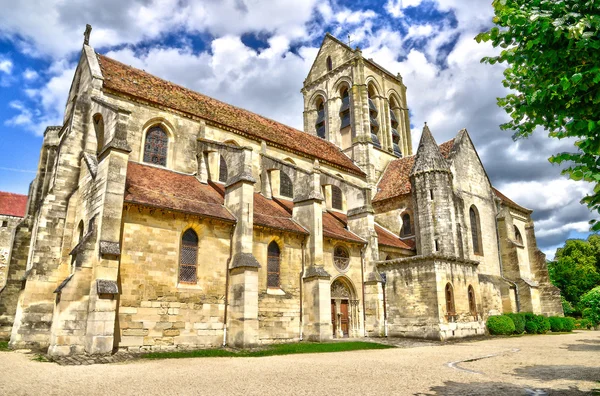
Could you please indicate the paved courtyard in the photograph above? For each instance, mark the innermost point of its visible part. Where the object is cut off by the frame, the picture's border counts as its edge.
(530, 365)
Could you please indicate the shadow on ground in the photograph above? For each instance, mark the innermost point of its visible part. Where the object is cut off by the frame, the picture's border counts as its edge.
(549, 373)
(499, 389)
(585, 346)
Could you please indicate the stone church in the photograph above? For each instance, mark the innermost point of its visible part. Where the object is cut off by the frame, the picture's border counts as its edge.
(161, 218)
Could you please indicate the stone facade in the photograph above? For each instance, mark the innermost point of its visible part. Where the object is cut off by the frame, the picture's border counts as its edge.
(162, 219)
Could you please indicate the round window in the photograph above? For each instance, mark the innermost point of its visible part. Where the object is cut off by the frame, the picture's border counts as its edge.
(341, 258)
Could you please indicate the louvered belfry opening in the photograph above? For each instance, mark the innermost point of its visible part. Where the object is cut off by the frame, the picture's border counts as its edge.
(373, 120)
(320, 123)
(273, 265)
(156, 146)
(188, 258)
(395, 135)
(345, 109)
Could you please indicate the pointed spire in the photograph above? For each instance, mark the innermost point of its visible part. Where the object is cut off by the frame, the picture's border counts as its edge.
(429, 158)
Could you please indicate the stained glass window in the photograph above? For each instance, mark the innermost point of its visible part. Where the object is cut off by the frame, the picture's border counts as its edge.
(156, 146)
(188, 258)
(336, 198)
(273, 260)
(222, 170)
(341, 258)
(286, 188)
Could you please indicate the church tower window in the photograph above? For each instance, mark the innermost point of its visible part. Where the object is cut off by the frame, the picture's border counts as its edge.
(345, 109)
(373, 112)
(286, 188)
(394, 124)
(155, 146)
(336, 198)
(475, 230)
(273, 265)
(222, 170)
(320, 123)
(188, 257)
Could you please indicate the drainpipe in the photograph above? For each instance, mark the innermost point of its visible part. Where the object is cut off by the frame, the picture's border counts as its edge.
(301, 300)
(517, 299)
(362, 275)
(227, 285)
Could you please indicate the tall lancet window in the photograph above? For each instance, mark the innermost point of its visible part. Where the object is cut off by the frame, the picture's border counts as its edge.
(475, 230)
(373, 112)
(273, 265)
(394, 124)
(320, 123)
(188, 257)
(156, 146)
(222, 170)
(286, 188)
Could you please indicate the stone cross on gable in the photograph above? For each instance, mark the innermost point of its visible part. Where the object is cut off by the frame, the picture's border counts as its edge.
(86, 34)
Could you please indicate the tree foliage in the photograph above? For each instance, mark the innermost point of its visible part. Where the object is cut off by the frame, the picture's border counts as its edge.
(590, 303)
(552, 48)
(576, 268)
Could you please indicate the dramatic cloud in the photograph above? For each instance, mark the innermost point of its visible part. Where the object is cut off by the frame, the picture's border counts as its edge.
(256, 54)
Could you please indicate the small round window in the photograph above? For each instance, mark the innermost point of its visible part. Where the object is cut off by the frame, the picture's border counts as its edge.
(341, 258)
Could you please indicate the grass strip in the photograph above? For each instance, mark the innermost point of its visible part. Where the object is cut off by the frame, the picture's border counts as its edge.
(273, 350)
(4, 346)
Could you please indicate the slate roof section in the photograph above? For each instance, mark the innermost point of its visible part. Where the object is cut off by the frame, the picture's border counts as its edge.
(395, 181)
(133, 82)
(162, 188)
(509, 202)
(387, 238)
(13, 204)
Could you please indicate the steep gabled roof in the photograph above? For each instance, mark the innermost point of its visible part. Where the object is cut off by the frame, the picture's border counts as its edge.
(13, 204)
(509, 202)
(396, 177)
(133, 82)
(429, 157)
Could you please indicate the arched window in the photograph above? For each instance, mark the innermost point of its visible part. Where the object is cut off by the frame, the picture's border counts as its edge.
(329, 63)
(320, 123)
(273, 265)
(345, 109)
(99, 129)
(406, 227)
(394, 124)
(336, 198)
(373, 113)
(156, 146)
(450, 310)
(80, 231)
(475, 230)
(222, 170)
(286, 188)
(188, 257)
(341, 258)
(518, 236)
(472, 303)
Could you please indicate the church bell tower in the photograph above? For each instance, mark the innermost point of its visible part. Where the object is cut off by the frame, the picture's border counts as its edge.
(357, 105)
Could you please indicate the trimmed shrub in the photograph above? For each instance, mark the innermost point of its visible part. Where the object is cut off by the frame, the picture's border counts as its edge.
(556, 324)
(584, 324)
(531, 327)
(543, 324)
(519, 322)
(568, 324)
(500, 325)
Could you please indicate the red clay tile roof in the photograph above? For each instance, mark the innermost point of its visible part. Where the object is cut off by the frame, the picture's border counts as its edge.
(395, 180)
(13, 204)
(270, 214)
(336, 229)
(137, 83)
(509, 202)
(162, 188)
(386, 238)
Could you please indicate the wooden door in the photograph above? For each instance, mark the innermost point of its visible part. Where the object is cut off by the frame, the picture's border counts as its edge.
(333, 315)
(344, 320)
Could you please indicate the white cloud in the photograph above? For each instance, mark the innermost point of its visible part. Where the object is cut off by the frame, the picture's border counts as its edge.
(395, 7)
(30, 74)
(6, 66)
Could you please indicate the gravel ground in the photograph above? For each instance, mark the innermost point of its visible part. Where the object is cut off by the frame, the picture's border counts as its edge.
(566, 364)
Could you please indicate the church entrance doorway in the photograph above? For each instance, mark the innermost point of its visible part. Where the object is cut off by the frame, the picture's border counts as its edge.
(344, 309)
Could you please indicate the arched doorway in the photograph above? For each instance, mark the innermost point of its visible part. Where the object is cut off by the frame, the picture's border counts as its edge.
(344, 309)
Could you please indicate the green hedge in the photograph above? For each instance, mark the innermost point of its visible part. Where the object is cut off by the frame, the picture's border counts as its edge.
(500, 325)
(533, 324)
(583, 324)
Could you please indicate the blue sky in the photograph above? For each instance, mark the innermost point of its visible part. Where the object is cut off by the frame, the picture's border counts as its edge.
(255, 54)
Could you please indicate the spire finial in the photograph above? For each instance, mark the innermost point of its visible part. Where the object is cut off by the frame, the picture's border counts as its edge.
(86, 34)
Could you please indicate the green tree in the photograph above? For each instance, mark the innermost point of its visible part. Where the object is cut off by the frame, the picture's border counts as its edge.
(576, 268)
(590, 305)
(552, 48)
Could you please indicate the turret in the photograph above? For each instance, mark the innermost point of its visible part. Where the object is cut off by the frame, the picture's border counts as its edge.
(431, 181)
